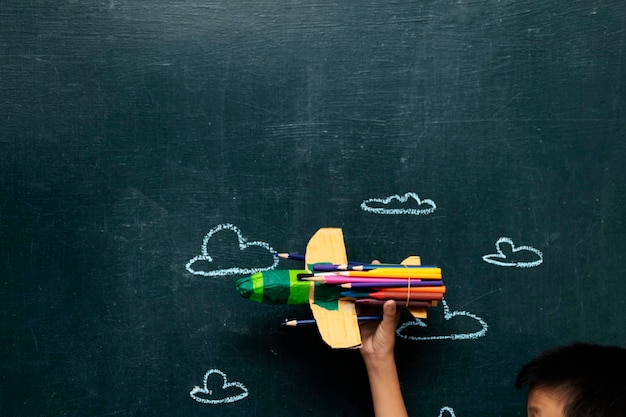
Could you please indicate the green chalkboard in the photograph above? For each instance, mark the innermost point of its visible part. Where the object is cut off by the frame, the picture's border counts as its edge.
(153, 152)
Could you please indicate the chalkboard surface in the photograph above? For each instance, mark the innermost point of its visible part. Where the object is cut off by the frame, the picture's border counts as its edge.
(153, 152)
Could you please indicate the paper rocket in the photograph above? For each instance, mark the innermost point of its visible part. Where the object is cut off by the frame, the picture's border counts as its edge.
(332, 286)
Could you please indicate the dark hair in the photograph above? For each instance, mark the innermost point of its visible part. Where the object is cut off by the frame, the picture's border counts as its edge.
(591, 377)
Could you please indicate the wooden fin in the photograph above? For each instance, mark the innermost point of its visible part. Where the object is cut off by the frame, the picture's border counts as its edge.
(339, 327)
(326, 245)
(418, 312)
(336, 321)
(412, 260)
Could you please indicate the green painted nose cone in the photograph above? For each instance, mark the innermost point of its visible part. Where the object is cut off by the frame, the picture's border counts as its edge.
(251, 287)
(244, 287)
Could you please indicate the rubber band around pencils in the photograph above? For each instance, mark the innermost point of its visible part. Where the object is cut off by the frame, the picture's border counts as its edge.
(408, 287)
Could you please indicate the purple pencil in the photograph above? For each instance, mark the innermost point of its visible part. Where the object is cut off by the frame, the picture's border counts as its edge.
(373, 282)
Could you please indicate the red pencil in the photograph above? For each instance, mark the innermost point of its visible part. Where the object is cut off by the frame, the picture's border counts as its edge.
(375, 302)
(411, 296)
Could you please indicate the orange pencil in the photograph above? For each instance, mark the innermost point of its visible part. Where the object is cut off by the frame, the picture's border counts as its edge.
(412, 296)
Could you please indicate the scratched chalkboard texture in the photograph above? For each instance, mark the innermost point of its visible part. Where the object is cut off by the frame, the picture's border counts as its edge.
(153, 152)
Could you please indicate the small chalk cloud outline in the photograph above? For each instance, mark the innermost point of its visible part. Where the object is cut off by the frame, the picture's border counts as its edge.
(243, 244)
(425, 206)
(501, 259)
(206, 396)
(447, 409)
(447, 315)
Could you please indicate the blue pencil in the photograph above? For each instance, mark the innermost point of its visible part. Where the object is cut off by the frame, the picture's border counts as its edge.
(293, 256)
(298, 257)
(312, 321)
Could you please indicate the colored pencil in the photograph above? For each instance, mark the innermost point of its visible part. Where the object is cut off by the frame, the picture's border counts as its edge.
(338, 279)
(404, 283)
(367, 267)
(381, 295)
(329, 267)
(393, 276)
(320, 277)
(355, 266)
(412, 296)
(427, 273)
(325, 267)
(292, 323)
(422, 270)
(438, 289)
(375, 302)
(293, 256)
(298, 257)
(364, 293)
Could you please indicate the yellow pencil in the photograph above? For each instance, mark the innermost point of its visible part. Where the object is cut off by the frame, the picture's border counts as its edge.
(426, 273)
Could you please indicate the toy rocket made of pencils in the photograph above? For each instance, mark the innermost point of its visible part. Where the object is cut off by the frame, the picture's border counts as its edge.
(332, 287)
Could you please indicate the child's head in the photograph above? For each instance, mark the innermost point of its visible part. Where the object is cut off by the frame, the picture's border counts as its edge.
(579, 380)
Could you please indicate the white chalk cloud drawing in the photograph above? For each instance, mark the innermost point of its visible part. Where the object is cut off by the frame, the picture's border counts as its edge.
(200, 265)
(448, 410)
(409, 203)
(212, 393)
(507, 254)
(447, 315)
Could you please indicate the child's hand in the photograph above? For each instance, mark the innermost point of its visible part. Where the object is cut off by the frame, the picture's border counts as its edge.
(378, 339)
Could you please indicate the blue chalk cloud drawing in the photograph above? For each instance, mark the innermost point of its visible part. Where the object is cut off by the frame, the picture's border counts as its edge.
(217, 390)
(409, 203)
(507, 254)
(201, 264)
(447, 315)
